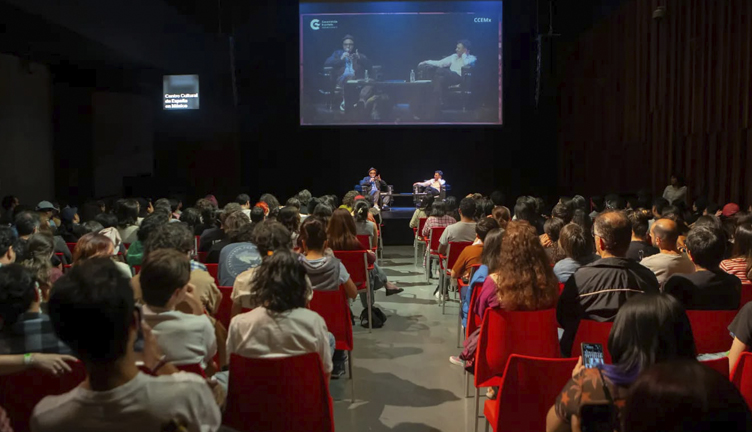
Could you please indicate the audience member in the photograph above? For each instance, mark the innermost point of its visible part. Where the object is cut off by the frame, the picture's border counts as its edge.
(676, 191)
(95, 245)
(684, 396)
(550, 239)
(462, 231)
(502, 216)
(217, 234)
(426, 205)
(362, 225)
(192, 218)
(290, 219)
(186, 339)
(525, 209)
(490, 263)
(657, 210)
(39, 252)
(563, 212)
(577, 251)
(304, 197)
(231, 224)
(245, 204)
(46, 210)
(135, 254)
(9, 204)
(740, 262)
(208, 213)
(238, 256)
(648, 330)
(273, 204)
(641, 245)
(597, 290)
(597, 205)
(92, 311)
(25, 329)
(710, 287)
(69, 221)
(669, 260)
(127, 211)
(26, 224)
(470, 256)
(452, 208)
(7, 240)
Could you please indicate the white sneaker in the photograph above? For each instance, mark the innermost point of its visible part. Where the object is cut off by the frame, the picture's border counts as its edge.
(456, 361)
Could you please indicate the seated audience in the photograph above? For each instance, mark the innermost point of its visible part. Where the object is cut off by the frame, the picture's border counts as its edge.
(272, 204)
(550, 239)
(127, 211)
(362, 225)
(97, 245)
(641, 245)
(326, 273)
(421, 212)
(525, 209)
(185, 339)
(502, 216)
(562, 211)
(135, 254)
(208, 213)
(9, 204)
(258, 215)
(577, 251)
(7, 240)
(23, 326)
(290, 219)
(710, 288)
(437, 218)
(597, 290)
(26, 224)
(231, 224)
(92, 311)
(215, 235)
(657, 210)
(39, 252)
(684, 396)
(648, 330)
(462, 231)
(740, 262)
(524, 282)
(304, 197)
(69, 225)
(669, 260)
(490, 264)
(192, 218)
(238, 256)
(280, 324)
(471, 255)
(245, 204)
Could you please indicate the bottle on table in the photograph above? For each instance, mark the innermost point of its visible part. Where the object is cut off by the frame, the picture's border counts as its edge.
(412, 75)
(366, 74)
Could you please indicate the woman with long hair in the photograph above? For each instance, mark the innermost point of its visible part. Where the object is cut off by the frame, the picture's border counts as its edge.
(648, 330)
(502, 216)
(490, 261)
(127, 211)
(362, 225)
(289, 216)
(39, 251)
(740, 262)
(341, 233)
(95, 245)
(522, 281)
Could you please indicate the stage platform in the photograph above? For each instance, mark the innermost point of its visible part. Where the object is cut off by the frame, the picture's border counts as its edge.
(397, 229)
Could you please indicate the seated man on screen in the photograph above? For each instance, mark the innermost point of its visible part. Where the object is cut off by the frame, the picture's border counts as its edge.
(347, 64)
(432, 186)
(449, 73)
(374, 180)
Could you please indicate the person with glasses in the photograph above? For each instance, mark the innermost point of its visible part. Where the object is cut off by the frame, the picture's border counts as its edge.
(347, 64)
(596, 291)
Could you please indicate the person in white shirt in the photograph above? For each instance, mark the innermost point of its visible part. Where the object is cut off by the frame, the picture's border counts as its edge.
(432, 186)
(676, 192)
(93, 311)
(186, 339)
(449, 73)
(669, 260)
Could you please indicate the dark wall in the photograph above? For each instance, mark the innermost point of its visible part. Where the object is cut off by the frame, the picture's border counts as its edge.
(282, 157)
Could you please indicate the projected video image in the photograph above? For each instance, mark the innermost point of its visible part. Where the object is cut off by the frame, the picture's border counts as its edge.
(401, 63)
(180, 92)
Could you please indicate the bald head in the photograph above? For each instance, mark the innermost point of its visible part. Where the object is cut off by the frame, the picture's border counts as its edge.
(614, 233)
(664, 232)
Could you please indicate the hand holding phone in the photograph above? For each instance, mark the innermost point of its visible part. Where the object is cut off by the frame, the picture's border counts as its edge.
(592, 354)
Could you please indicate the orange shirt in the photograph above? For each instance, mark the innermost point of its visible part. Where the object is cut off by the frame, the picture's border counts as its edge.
(469, 256)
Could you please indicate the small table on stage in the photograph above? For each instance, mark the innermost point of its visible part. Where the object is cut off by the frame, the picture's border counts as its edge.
(352, 88)
(415, 197)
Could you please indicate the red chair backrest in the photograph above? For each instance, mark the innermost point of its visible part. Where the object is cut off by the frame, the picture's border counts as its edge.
(504, 333)
(741, 376)
(421, 225)
(592, 332)
(198, 242)
(71, 246)
(455, 249)
(202, 256)
(356, 264)
(192, 368)
(473, 321)
(293, 395)
(721, 365)
(332, 306)
(213, 270)
(20, 392)
(529, 388)
(225, 307)
(127, 246)
(136, 269)
(365, 241)
(710, 329)
(561, 287)
(433, 243)
(746, 295)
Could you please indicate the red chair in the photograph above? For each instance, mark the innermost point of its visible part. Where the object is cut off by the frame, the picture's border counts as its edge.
(201, 256)
(746, 295)
(561, 287)
(721, 365)
(213, 270)
(127, 246)
(136, 269)
(293, 395)
(20, 392)
(333, 307)
(528, 389)
(446, 263)
(433, 249)
(71, 247)
(224, 311)
(710, 329)
(192, 368)
(61, 257)
(461, 285)
(356, 263)
(418, 237)
(590, 331)
(504, 333)
(365, 241)
(741, 376)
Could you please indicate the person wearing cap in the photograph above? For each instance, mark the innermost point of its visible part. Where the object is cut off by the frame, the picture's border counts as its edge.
(730, 209)
(432, 186)
(46, 211)
(376, 184)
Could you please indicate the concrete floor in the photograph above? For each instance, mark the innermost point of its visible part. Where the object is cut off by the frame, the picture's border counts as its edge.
(403, 378)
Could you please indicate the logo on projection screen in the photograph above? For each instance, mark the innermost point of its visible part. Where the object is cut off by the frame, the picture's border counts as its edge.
(180, 92)
(317, 24)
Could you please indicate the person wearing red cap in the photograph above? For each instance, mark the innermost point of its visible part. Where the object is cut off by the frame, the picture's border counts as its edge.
(730, 209)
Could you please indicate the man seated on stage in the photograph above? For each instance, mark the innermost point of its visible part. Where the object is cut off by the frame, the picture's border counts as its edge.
(448, 74)
(374, 180)
(432, 186)
(347, 64)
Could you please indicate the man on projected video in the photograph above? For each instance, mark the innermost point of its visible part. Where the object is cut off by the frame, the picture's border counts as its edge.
(347, 63)
(449, 73)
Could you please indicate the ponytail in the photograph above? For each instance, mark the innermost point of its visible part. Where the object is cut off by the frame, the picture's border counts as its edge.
(361, 211)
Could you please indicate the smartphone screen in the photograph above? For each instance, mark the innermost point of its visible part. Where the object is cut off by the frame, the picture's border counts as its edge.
(597, 417)
(592, 355)
(138, 346)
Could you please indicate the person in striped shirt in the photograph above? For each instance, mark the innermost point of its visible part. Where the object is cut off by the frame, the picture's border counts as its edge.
(741, 258)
